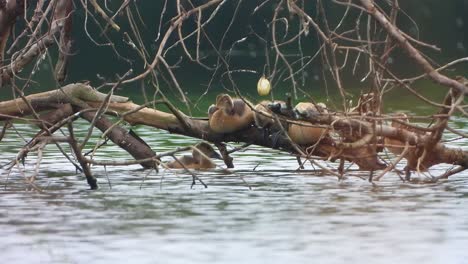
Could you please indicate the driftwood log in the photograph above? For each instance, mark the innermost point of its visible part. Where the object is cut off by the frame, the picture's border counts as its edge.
(82, 100)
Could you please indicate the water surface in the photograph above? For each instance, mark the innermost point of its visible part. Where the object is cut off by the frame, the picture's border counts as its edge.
(142, 216)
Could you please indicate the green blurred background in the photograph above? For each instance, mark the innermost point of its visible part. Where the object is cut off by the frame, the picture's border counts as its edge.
(442, 23)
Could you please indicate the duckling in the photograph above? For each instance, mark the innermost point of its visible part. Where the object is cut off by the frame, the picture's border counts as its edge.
(413, 154)
(229, 115)
(394, 145)
(306, 134)
(197, 160)
(263, 111)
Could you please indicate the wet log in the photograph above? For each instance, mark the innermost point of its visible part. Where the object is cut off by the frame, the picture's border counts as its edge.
(81, 95)
(59, 101)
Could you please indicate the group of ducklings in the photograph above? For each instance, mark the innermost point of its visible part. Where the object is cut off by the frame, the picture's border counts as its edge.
(229, 115)
(233, 114)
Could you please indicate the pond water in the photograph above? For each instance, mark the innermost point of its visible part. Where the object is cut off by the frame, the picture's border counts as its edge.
(299, 217)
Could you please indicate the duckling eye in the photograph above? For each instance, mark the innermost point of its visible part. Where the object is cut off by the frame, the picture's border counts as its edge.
(298, 114)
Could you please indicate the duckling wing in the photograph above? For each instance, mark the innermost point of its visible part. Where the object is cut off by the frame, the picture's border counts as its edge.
(239, 107)
(187, 161)
(262, 120)
(305, 134)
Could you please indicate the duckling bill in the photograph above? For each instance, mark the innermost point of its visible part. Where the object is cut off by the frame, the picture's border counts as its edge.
(197, 160)
(229, 115)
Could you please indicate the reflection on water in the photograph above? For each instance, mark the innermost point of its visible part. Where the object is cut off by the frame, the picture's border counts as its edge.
(157, 218)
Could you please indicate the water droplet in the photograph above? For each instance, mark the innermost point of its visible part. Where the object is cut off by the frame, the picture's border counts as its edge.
(460, 46)
(459, 22)
(390, 60)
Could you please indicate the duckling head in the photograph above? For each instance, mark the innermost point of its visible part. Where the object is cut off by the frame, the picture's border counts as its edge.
(207, 150)
(309, 110)
(224, 101)
(211, 110)
(277, 107)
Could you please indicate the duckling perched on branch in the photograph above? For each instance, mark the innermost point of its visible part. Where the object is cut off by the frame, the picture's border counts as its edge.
(414, 156)
(229, 115)
(266, 120)
(200, 158)
(394, 145)
(304, 133)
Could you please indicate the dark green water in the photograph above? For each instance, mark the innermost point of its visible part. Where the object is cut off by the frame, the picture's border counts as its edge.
(149, 217)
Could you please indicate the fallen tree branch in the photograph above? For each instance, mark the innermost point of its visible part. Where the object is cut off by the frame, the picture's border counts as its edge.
(199, 128)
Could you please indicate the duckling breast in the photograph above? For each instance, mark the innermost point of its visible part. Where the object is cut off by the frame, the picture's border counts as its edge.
(187, 161)
(305, 134)
(235, 119)
(190, 163)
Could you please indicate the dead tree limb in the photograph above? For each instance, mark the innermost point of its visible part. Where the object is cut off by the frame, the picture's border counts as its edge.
(199, 128)
(412, 52)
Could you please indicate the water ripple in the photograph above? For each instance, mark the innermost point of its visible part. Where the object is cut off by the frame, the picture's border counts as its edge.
(288, 216)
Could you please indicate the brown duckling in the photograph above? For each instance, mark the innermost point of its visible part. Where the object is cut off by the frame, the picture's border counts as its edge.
(394, 145)
(197, 160)
(306, 134)
(413, 154)
(229, 115)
